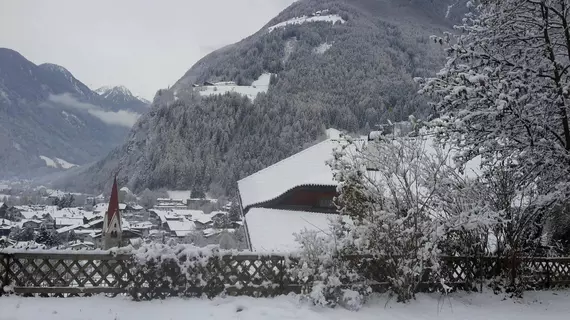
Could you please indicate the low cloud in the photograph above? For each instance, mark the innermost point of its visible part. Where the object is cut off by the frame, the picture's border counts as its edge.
(118, 118)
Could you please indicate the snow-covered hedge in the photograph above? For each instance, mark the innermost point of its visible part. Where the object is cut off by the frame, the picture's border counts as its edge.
(184, 270)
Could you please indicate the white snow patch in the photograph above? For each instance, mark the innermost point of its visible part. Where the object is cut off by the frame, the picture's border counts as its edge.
(289, 49)
(333, 18)
(17, 146)
(57, 163)
(49, 162)
(4, 96)
(179, 194)
(127, 190)
(322, 48)
(258, 86)
(544, 305)
(64, 164)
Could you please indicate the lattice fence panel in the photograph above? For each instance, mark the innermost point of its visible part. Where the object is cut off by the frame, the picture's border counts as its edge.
(80, 274)
(63, 274)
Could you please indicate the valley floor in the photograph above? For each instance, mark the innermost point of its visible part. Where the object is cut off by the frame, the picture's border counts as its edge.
(543, 305)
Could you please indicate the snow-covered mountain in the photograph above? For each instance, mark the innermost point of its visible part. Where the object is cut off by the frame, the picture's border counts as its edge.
(49, 120)
(331, 63)
(121, 96)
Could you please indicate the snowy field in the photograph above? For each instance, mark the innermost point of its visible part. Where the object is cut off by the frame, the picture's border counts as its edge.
(57, 163)
(333, 18)
(547, 305)
(258, 86)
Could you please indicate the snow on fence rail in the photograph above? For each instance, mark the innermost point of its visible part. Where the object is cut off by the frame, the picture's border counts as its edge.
(149, 275)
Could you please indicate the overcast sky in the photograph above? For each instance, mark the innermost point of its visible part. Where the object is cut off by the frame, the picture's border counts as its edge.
(142, 44)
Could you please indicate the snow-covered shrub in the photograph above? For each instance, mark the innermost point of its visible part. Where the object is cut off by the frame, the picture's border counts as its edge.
(328, 278)
(161, 270)
(502, 96)
(392, 189)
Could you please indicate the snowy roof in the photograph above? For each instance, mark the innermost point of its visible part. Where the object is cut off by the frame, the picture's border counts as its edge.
(87, 231)
(181, 225)
(1, 204)
(101, 207)
(122, 206)
(213, 231)
(69, 221)
(332, 18)
(182, 233)
(77, 243)
(308, 167)
(68, 228)
(21, 223)
(142, 225)
(77, 226)
(137, 207)
(125, 189)
(187, 212)
(273, 230)
(31, 214)
(179, 194)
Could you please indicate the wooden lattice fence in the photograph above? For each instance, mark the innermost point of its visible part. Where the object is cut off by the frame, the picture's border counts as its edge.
(70, 274)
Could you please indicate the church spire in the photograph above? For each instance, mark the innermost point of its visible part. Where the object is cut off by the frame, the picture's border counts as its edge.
(112, 231)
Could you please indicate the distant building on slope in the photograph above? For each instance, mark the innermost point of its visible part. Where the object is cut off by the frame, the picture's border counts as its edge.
(289, 196)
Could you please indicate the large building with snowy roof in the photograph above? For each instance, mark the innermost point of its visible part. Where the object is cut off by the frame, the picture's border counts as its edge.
(288, 197)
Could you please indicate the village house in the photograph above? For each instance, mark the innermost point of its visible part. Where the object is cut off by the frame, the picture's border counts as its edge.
(81, 245)
(167, 203)
(180, 227)
(3, 210)
(5, 227)
(287, 197)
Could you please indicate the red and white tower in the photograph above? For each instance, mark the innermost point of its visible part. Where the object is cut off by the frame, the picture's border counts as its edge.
(112, 231)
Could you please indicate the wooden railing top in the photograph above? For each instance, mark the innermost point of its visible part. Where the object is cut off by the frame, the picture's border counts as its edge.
(97, 254)
(126, 253)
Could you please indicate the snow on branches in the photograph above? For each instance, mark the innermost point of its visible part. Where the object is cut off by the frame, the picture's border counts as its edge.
(503, 93)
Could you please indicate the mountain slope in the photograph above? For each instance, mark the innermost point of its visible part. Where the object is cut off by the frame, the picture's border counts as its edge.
(50, 121)
(336, 63)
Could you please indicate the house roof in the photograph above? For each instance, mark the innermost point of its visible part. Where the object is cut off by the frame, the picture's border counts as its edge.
(272, 230)
(68, 228)
(182, 233)
(181, 225)
(142, 225)
(78, 243)
(69, 221)
(308, 167)
(31, 214)
(101, 207)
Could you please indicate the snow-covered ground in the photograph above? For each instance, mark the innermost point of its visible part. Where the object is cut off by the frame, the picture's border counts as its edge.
(64, 164)
(49, 162)
(547, 305)
(258, 86)
(57, 163)
(332, 18)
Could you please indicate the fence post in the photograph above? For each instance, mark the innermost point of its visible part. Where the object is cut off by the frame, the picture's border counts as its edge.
(481, 271)
(547, 285)
(6, 280)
